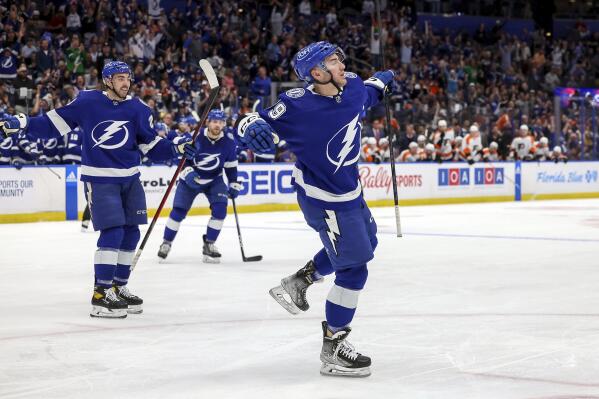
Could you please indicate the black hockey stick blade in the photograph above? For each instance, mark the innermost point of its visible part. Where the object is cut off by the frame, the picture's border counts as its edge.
(256, 258)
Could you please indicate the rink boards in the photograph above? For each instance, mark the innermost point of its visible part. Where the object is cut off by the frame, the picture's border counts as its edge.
(55, 193)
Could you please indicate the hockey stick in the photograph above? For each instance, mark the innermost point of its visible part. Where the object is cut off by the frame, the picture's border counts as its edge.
(214, 88)
(388, 124)
(249, 258)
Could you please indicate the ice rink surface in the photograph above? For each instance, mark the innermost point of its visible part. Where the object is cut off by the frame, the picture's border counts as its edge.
(490, 301)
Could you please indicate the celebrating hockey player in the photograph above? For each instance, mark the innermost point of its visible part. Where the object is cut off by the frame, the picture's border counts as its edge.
(321, 125)
(115, 128)
(215, 152)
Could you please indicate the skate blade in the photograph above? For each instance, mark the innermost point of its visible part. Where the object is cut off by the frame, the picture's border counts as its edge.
(210, 259)
(98, 311)
(161, 259)
(135, 309)
(278, 294)
(333, 370)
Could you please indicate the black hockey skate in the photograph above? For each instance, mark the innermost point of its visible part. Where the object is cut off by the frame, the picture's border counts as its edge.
(134, 303)
(295, 287)
(105, 303)
(164, 249)
(211, 254)
(339, 357)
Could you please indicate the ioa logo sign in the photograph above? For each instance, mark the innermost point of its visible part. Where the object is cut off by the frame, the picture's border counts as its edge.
(110, 134)
(461, 176)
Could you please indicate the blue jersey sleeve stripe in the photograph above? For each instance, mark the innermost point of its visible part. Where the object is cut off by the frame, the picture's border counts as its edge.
(232, 164)
(59, 123)
(144, 148)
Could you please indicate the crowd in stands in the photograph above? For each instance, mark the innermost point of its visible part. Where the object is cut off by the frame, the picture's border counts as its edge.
(456, 96)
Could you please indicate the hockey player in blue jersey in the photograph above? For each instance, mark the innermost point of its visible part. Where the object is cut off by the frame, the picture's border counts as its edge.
(321, 125)
(115, 129)
(216, 152)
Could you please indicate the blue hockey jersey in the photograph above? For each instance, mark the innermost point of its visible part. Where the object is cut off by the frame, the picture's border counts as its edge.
(6, 150)
(51, 150)
(212, 157)
(72, 146)
(325, 137)
(114, 133)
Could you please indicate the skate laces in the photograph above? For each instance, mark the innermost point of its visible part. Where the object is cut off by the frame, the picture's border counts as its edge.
(110, 295)
(345, 349)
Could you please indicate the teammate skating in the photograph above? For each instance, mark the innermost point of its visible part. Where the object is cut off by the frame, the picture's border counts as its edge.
(115, 128)
(321, 125)
(215, 152)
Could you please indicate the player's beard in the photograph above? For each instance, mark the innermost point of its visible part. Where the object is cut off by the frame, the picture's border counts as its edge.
(213, 133)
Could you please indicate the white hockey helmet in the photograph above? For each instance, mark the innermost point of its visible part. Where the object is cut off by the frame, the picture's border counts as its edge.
(364, 140)
(473, 129)
(421, 138)
(557, 149)
(371, 141)
(413, 144)
(494, 145)
(459, 140)
(383, 141)
(524, 127)
(544, 140)
(442, 123)
(429, 147)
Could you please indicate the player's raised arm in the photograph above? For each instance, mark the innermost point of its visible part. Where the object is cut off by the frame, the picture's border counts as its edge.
(377, 85)
(55, 123)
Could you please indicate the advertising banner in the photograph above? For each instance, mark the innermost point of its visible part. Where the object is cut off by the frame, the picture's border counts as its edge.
(32, 189)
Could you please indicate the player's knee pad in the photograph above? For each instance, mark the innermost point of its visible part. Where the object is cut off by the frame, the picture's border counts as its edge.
(219, 210)
(130, 238)
(111, 238)
(178, 214)
(353, 278)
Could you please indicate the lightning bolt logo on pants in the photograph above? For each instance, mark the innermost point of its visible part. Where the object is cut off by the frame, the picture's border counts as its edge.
(333, 228)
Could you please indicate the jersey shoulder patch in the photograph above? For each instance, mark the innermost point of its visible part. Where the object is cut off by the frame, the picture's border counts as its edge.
(350, 75)
(295, 93)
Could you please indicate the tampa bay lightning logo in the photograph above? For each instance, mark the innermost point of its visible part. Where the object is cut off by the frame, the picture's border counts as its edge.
(110, 134)
(6, 144)
(344, 149)
(7, 63)
(50, 144)
(207, 161)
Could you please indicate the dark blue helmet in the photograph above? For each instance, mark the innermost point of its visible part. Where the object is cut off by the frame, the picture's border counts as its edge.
(114, 67)
(314, 55)
(216, 115)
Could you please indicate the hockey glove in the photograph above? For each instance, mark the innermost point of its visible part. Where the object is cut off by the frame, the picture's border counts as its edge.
(381, 81)
(186, 149)
(470, 161)
(10, 124)
(191, 178)
(234, 189)
(256, 133)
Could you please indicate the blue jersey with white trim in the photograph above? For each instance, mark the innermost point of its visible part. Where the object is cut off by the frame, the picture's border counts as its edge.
(324, 135)
(212, 157)
(72, 146)
(114, 133)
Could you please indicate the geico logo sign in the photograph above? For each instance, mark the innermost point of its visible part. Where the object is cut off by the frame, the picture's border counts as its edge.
(265, 182)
